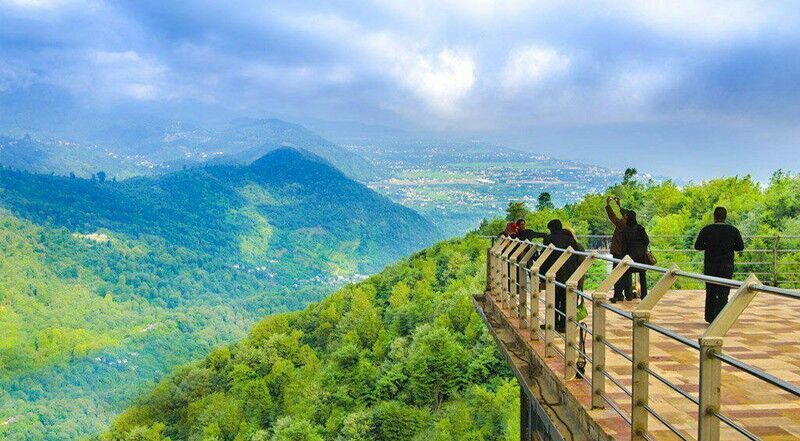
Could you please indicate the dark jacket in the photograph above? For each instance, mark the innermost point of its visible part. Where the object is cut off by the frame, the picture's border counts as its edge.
(616, 248)
(561, 239)
(719, 241)
(527, 234)
(635, 242)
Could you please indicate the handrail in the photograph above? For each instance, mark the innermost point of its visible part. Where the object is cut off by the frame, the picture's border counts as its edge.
(765, 260)
(518, 286)
(689, 275)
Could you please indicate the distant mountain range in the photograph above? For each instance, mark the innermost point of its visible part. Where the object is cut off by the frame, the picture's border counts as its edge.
(140, 147)
(106, 285)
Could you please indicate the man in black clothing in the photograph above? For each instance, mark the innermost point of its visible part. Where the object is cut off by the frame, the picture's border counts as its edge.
(719, 241)
(561, 238)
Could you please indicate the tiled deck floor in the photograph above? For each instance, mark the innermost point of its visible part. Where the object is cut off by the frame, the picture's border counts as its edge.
(766, 336)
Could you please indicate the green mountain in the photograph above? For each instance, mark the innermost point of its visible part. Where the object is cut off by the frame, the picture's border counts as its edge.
(400, 356)
(43, 155)
(106, 285)
(245, 140)
(403, 355)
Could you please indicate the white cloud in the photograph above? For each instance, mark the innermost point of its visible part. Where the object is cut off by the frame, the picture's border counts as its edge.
(441, 77)
(128, 74)
(707, 21)
(34, 6)
(529, 66)
(441, 80)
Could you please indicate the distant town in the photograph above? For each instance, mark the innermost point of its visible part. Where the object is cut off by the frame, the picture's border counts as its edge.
(458, 186)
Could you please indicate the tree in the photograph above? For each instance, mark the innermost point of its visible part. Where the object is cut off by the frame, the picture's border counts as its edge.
(290, 429)
(516, 210)
(630, 174)
(544, 202)
(435, 366)
(101, 176)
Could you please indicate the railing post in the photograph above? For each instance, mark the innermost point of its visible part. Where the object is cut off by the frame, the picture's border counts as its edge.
(549, 315)
(639, 375)
(508, 280)
(505, 277)
(534, 300)
(535, 292)
(512, 285)
(524, 297)
(494, 275)
(775, 276)
(515, 287)
(571, 331)
(550, 302)
(500, 272)
(570, 336)
(598, 349)
(711, 366)
(641, 354)
(599, 331)
(710, 388)
(488, 288)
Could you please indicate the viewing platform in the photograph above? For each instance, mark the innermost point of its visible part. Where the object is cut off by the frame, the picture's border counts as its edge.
(644, 376)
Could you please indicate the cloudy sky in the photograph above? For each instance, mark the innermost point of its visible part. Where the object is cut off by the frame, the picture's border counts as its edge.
(691, 89)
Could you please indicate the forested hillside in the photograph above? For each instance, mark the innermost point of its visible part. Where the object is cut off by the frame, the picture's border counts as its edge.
(403, 355)
(106, 285)
(399, 356)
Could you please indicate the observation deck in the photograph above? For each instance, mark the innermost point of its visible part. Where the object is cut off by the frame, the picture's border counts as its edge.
(654, 369)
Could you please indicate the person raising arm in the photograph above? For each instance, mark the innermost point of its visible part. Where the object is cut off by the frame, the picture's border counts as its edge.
(617, 248)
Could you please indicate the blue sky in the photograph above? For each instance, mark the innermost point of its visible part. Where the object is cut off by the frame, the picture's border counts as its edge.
(691, 89)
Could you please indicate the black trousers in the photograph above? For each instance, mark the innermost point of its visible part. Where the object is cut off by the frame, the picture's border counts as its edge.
(717, 295)
(627, 283)
(561, 306)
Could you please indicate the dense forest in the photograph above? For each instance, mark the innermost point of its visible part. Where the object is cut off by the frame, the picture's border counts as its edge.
(105, 286)
(403, 355)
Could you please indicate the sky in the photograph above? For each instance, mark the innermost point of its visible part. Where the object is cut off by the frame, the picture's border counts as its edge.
(691, 89)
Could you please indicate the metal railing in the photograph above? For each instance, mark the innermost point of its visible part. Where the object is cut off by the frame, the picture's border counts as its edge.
(515, 266)
(774, 258)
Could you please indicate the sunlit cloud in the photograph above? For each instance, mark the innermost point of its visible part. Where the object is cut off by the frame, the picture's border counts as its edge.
(530, 66)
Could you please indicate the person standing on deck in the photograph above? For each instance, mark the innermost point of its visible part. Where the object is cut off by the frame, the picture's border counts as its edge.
(561, 238)
(634, 243)
(510, 231)
(719, 241)
(617, 248)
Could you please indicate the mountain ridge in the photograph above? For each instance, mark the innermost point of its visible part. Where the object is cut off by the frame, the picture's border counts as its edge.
(108, 285)
(156, 146)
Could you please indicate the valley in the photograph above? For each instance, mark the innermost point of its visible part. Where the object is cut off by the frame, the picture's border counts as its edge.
(108, 285)
(457, 186)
